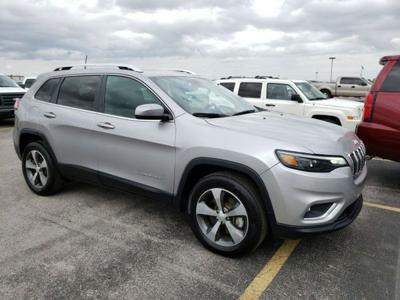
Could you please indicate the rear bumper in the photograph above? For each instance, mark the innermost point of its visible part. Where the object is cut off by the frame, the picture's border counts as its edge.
(345, 219)
(380, 140)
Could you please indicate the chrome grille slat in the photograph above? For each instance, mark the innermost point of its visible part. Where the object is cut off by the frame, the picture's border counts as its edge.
(358, 159)
(361, 159)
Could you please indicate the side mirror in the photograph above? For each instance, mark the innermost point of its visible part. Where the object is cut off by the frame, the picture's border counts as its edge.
(151, 112)
(364, 84)
(296, 97)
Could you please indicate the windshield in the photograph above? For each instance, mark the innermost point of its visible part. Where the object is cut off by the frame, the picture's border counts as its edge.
(367, 81)
(310, 91)
(7, 82)
(29, 83)
(202, 97)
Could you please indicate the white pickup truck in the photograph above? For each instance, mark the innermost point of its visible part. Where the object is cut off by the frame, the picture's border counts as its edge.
(9, 91)
(296, 97)
(345, 87)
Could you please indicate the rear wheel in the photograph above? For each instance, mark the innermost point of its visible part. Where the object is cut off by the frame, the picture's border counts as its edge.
(39, 170)
(226, 214)
(327, 93)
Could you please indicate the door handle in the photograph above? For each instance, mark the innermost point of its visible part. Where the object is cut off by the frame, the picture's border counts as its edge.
(49, 115)
(353, 87)
(339, 86)
(106, 125)
(272, 105)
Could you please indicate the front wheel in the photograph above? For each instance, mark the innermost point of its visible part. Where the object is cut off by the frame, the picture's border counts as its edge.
(226, 214)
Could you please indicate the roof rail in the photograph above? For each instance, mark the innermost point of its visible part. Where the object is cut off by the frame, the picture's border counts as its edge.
(232, 77)
(266, 77)
(256, 77)
(121, 67)
(184, 71)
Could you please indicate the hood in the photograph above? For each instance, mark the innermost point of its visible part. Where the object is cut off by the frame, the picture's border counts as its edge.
(11, 90)
(340, 103)
(313, 135)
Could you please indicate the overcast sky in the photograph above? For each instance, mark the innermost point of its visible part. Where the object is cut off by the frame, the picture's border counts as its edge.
(291, 38)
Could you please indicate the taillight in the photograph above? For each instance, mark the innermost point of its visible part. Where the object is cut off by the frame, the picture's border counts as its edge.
(369, 100)
(16, 103)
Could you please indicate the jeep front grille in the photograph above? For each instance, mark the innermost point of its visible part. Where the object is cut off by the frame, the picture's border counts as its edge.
(358, 159)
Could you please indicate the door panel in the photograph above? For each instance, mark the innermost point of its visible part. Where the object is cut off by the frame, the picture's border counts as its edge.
(345, 89)
(70, 131)
(349, 86)
(279, 99)
(138, 151)
(386, 113)
(70, 122)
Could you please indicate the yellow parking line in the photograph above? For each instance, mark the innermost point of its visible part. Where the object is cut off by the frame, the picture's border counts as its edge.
(263, 279)
(381, 206)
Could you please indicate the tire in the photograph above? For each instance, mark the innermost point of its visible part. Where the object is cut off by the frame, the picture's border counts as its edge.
(36, 159)
(237, 229)
(327, 93)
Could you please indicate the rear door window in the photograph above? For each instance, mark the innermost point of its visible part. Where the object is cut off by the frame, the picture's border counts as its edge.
(46, 91)
(250, 89)
(392, 81)
(229, 85)
(79, 92)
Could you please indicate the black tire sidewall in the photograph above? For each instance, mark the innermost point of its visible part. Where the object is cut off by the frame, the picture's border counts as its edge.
(327, 93)
(250, 202)
(47, 188)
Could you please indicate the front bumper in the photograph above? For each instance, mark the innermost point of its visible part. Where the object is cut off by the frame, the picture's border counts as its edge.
(294, 193)
(345, 219)
(351, 124)
(6, 113)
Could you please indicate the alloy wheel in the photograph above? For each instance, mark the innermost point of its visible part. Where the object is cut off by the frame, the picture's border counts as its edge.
(222, 217)
(36, 169)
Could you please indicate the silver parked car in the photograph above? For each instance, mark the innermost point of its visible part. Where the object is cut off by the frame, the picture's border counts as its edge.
(240, 173)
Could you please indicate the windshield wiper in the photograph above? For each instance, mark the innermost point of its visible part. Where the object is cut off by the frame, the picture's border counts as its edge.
(249, 111)
(318, 98)
(208, 115)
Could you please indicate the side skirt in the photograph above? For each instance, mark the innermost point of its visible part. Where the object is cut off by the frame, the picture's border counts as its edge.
(82, 174)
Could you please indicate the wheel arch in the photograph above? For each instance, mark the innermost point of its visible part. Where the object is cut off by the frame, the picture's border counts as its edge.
(328, 89)
(28, 136)
(322, 117)
(200, 167)
(324, 87)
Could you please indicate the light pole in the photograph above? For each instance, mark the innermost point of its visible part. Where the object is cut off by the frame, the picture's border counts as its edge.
(362, 70)
(316, 76)
(85, 61)
(332, 58)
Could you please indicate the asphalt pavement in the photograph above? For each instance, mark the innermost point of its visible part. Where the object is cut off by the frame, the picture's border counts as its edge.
(89, 242)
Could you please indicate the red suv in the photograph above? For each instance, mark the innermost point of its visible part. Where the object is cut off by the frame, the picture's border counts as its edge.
(380, 129)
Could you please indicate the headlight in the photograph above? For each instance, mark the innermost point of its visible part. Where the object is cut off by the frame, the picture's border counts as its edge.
(310, 162)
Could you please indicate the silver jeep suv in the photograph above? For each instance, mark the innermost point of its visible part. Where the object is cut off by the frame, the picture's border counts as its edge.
(240, 173)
